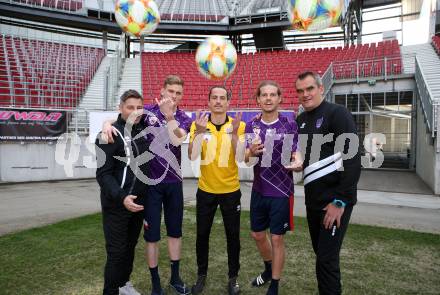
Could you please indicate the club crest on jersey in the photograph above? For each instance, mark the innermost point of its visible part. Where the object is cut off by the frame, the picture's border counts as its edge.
(152, 120)
(207, 135)
(319, 122)
(256, 129)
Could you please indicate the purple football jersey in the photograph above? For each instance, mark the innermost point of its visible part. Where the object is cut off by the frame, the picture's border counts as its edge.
(280, 139)
(165, 165)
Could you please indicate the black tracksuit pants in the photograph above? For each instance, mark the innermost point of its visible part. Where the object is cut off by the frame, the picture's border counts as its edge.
(121, 231)
(206, 207)
(327, 245)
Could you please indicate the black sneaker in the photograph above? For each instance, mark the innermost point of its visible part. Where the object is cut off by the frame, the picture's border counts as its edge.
(233, 287)
(180, 288)
(157, 293)
(197, 288)
(262, 279)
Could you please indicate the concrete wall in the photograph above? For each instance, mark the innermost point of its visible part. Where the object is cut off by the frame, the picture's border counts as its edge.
(37, 162)
(349, 87)
(427, 159)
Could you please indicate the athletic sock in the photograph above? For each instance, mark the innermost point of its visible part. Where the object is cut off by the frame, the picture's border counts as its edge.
(155, 279)
(273, 288)
(175, 277)
(267, 274)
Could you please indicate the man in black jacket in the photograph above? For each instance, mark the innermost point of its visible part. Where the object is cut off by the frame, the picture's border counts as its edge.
(121, 192)
(331, 172)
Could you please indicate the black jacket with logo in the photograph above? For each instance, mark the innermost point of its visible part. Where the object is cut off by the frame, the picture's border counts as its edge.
(116, 177)
(327, 174)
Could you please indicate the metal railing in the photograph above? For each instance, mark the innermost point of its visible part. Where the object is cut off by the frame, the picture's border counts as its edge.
(430, 108)
(113, 75)
(327, 81)
(381, 68)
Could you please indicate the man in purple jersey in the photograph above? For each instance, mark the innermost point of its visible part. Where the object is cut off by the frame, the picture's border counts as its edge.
(166, 127)
(271, 147)
(164, 170)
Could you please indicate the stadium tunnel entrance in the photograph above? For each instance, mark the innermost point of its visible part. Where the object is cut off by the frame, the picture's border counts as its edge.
(386, 108)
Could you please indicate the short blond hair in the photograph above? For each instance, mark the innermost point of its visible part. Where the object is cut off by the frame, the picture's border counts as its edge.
(172, 80)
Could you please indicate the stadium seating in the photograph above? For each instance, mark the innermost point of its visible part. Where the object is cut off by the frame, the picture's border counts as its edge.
(66, 5)
(193, 11)
(436, 43)
(196, 10)
(368, 60)
(37, 73)
(282, 66)
(263, 5)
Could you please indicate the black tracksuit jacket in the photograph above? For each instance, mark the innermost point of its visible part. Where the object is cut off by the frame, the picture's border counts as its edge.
(115, 177)
(322, 183)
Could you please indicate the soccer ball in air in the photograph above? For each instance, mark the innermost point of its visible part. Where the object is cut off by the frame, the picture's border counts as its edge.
(137, 17)
(314, 15)
(216, 58)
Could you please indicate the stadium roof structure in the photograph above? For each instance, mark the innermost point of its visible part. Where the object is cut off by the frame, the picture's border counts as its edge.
(213, 16)
(183, 17)
(375, 3)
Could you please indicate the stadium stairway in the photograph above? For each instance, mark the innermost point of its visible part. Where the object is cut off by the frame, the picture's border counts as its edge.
(93, 98)
(131, 76)
(430, 64)
(408, 54)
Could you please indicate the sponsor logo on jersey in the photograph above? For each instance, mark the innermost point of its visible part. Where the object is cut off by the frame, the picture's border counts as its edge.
(271, 132)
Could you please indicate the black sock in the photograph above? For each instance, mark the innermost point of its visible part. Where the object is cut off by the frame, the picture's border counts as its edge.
(155, 279)
(273, 288)
(267, 274)
(175, 277)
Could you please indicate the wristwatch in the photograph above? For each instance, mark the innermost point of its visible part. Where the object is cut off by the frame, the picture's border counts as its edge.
(338, 203)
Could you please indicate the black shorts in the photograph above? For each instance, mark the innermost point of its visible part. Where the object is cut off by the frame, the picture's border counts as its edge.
(170, 195)
(275, 213)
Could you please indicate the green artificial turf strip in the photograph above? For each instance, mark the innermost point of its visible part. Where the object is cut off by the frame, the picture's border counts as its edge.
(68, 258)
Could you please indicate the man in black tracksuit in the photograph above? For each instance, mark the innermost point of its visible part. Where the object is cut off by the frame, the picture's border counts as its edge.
(331, 172)
(121, 192)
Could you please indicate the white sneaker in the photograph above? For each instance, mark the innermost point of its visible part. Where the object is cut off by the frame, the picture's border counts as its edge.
(128, 289)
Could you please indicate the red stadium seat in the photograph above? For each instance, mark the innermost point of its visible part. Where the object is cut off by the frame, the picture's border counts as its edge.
(436, 44)
(281, 65)
(46, 74)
